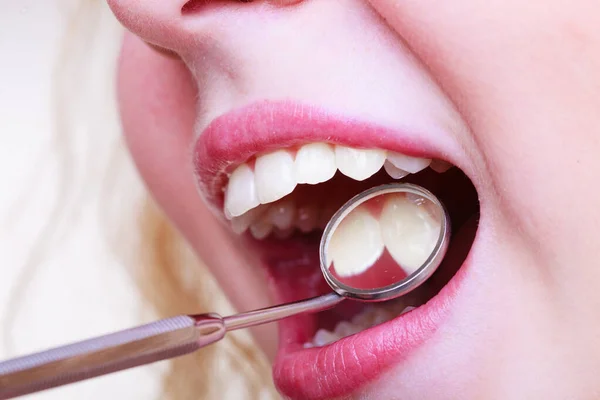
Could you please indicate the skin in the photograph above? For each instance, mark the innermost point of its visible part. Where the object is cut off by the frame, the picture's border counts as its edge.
(520, 82)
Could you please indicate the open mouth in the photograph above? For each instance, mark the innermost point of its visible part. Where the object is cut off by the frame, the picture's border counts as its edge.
(279, 183)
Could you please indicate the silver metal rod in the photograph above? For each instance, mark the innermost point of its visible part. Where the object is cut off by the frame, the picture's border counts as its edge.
(159, 340)
(276, 313)
(130, 348)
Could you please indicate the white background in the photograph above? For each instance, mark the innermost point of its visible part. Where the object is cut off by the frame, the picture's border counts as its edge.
(74, 286)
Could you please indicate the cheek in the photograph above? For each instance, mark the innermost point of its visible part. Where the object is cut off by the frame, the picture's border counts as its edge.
(157, 98)
(525, 77)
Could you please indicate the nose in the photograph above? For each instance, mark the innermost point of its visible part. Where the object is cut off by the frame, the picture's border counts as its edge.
(155, 21)
(167, 23)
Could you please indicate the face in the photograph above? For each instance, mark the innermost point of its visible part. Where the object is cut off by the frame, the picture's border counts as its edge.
(242, 125)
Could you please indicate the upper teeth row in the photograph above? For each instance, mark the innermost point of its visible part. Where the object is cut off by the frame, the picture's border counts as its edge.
(276, 174)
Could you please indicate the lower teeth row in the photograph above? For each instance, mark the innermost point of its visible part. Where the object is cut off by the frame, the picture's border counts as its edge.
(368, 318)
(282, 219)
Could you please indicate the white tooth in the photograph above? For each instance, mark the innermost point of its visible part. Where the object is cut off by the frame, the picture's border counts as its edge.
(363, 319)
(396, 307)
(440, 166)
(284, 233)
(323, 337)
(408, 163)
(371, 317)
(308, 345)
(359, 164)
(274, 176)
(407, 309)
(346, 328)
(356, 243)
(282, 214)
(261, 228)
(380, 316)
(394, 171)
(240, 195)
(241, 223)
(306, 220)
(315, 163)
(409, 230)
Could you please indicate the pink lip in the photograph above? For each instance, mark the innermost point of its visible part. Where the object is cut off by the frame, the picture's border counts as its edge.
(233, 138)
(346, 365)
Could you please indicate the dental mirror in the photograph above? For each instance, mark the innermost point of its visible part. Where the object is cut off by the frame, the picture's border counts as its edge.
(384, 242)
(380, 245)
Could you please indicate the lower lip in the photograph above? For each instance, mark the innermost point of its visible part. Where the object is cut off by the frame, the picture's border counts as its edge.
(345, 366)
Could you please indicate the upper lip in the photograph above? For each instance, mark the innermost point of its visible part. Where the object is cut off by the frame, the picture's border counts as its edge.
(236, 136)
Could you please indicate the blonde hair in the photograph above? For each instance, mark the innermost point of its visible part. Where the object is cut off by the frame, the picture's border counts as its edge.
(170, 279)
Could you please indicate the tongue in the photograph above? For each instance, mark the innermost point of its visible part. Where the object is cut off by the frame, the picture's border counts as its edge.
(294, 270)
(295, 274)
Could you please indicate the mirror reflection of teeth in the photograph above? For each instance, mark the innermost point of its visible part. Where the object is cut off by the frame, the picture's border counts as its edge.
(406, 227)
(410, 231)
(356, 243)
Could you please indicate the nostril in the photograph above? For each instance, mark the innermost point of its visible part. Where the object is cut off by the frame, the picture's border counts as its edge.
(195, 6)
(285, 2)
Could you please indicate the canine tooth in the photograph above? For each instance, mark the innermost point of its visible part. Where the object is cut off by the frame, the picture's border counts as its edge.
(240, 195)
(306, 219)
(282, 214)
(408, 163)
(409, 231)
(356, 243)
(440, 166)
(261, 229)
(359, 164)
(315, 163)
(394, 171)
(346, 328)
(240, 224)
(274, 176)
(323, 337)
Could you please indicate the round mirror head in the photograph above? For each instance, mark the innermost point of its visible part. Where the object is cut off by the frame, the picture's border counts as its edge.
(384, 242)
